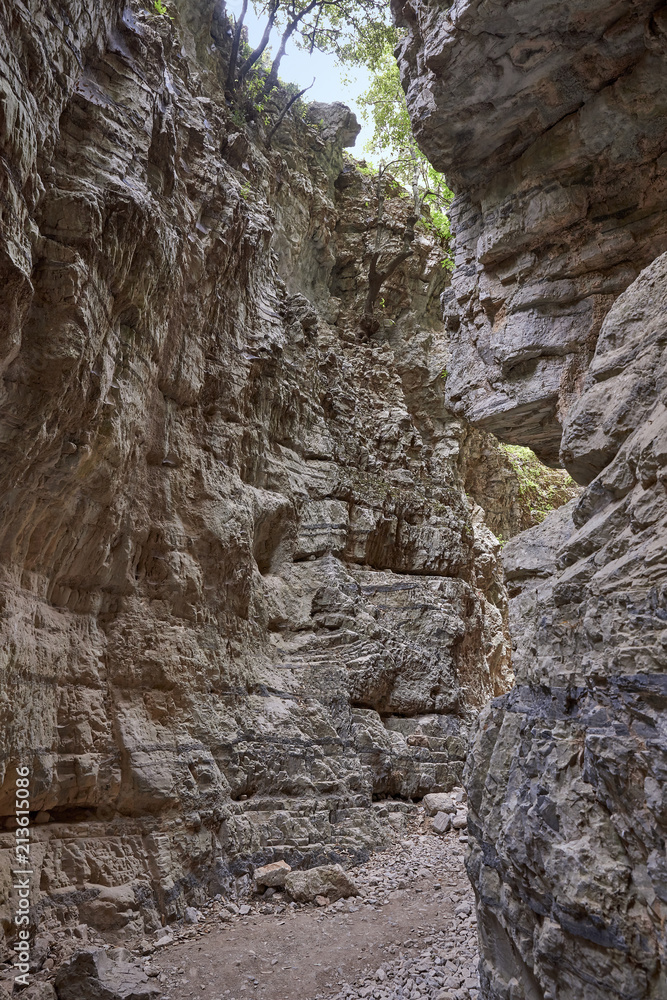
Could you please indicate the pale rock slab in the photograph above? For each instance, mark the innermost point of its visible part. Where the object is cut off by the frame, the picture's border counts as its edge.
(272, 875)
(98, 975)
(441, 822)
(327, 880)
(438, 802)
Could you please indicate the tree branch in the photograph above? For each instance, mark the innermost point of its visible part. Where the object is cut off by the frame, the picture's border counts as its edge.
(254, 56)
(272, 78)
(231, 69)
(282, 114)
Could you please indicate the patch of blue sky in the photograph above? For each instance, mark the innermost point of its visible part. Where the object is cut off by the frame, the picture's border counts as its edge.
(332, 82)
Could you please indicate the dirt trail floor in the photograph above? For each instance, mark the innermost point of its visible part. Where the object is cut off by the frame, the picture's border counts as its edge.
(410, 934)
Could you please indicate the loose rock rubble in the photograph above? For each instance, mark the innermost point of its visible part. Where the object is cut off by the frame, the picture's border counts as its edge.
(100, 975)
(409, 933)
(447, 968)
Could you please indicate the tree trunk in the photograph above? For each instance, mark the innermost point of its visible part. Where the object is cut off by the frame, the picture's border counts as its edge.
(254, 56)
(231, 69)
(284, 112)
(272, 78)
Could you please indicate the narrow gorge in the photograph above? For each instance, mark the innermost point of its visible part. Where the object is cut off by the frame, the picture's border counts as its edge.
(274, 582)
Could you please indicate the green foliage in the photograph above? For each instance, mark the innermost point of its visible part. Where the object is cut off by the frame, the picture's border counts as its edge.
(237, 117)
(161, 8)
(253, 90)
(355, 31)
(370, 44)
(541, 489)
(385, 107)
(365, 169)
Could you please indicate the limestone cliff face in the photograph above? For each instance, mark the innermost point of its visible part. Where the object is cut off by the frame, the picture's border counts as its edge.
(568, 774)
(243, 591)
(551, 121)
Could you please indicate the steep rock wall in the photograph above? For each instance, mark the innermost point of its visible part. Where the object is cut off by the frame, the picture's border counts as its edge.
(551, 121)
(243, 592)
(568, 774)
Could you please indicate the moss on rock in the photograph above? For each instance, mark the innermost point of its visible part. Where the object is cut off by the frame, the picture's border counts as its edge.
(540, 489)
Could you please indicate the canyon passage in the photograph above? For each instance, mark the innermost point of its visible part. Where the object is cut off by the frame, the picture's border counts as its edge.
(293, 624)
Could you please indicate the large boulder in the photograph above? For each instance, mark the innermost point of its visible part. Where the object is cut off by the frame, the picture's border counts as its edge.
(327, 880)
(438, 802)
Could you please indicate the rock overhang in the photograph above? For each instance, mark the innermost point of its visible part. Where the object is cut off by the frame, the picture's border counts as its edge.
(557, 157)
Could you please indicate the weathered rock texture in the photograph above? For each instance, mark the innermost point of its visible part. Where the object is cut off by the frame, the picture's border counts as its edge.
(568, 774)
(243, 591)
(101, 975)
(515, 489)
(552, 122)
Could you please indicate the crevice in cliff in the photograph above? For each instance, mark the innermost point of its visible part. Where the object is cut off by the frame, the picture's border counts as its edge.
(264, 596)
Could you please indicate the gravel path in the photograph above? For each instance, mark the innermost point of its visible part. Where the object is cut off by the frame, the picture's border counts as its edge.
(446, 968)
(410, 934)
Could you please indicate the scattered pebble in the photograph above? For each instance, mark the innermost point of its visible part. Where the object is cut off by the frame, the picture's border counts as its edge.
(437, 962)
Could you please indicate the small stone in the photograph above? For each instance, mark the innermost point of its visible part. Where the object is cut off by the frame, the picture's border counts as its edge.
(441, 823)
(460, 821)
(191, 915)
(165, 941)
(322, 900)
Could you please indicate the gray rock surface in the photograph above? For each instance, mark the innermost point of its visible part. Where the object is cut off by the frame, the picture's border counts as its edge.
(100, 975)
(441, 822)
(325, 880)
(549, 121)
(37, 991)
(243, 591)
(568, 772)
(335, 122)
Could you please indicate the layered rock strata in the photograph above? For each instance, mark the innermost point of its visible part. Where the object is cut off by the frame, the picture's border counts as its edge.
(550, 121)
(243, 592)
(568, 774)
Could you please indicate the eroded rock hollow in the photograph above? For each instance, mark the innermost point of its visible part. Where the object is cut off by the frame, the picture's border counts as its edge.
(551, 121)
(243, 590)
